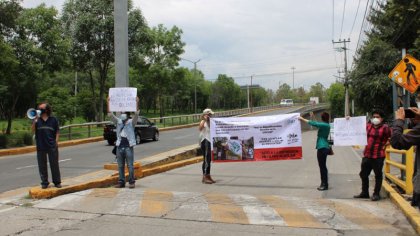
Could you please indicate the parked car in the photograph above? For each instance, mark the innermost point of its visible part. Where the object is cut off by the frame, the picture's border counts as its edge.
(286, 102)
(144, 130)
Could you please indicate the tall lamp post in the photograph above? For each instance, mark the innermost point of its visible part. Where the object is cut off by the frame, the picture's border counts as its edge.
(293, 77)
(195, 82)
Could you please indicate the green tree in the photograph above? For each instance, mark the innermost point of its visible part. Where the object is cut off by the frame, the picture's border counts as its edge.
(284, 92)
(226, 94)
(335, 95)
(62, 102)
(317, 90)
(38, 50)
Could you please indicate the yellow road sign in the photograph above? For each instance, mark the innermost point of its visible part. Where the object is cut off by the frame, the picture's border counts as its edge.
(407, 73)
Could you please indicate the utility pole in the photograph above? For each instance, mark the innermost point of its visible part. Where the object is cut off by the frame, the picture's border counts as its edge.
(293, 77)
(121, 43)
(346, 84)
(250, 95)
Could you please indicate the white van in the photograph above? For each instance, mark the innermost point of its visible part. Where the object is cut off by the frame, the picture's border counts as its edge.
(286, 102)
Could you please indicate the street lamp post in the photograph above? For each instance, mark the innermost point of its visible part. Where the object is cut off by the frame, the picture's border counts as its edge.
(195, 82)
(293, 77)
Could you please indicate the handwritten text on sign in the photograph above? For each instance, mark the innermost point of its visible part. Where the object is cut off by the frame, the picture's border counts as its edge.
(122, 99)
(350, 132)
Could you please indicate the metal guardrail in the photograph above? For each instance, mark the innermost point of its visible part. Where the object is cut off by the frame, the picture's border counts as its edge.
(70, 131)
(407, 184)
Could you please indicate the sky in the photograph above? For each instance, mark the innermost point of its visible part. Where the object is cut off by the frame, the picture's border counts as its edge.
(262, 39)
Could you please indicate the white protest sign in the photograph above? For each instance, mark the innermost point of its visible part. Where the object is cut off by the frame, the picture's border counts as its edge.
(350, 132)
(122, 99)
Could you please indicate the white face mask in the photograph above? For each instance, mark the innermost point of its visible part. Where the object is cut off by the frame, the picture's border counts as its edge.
(123, 116)
(418, 104)
(375, 121)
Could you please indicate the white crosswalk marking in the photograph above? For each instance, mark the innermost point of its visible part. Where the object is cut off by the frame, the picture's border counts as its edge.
(340, 214)
(258, 213)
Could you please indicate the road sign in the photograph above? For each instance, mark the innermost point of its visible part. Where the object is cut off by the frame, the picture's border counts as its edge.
(407, 73)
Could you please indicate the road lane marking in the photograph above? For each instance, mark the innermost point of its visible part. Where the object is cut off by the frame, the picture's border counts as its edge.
(8, 209)
(258, 213)
(156, 203)
(292, 214)
(223, 209)
(30, 166)
(184, 136)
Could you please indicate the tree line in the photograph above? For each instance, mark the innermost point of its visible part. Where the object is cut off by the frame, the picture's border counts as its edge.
(67, 59)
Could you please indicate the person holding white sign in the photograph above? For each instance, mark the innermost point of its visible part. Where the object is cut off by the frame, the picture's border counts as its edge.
(205, 143)
(378, 135)
(322, 146)
(125, 142)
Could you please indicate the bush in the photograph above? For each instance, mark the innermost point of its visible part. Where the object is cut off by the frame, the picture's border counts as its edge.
(27, 139)
(3, 141)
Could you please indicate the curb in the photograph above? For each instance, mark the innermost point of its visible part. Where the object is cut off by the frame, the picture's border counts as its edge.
(410, 212)
(139, 172)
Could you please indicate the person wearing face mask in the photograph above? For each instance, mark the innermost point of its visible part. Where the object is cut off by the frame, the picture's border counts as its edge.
(399, 140)
(47, 132)
(378, 135)
(125, 142)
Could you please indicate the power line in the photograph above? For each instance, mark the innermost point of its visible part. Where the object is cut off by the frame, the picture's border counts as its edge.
(361, 27)
(342, 19)
(286, 73)
(355, 17)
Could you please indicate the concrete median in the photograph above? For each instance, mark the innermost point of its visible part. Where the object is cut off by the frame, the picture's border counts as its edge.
(109, 176)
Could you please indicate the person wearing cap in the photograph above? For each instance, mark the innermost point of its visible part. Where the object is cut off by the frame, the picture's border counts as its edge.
(204, 129)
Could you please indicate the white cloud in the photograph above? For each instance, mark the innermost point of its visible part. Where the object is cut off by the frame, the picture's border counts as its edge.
(249, 37)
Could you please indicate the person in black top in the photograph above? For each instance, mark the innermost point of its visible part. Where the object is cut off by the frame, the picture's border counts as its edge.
(46, 129)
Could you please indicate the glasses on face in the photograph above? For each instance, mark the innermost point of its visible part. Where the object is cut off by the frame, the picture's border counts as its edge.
(376, 117)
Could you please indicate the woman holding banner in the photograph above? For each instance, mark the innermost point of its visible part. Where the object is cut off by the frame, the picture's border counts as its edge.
(322, 146)
(204, 129)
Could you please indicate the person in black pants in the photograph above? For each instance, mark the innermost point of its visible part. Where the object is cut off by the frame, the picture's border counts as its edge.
(47, 130)
(204, 129)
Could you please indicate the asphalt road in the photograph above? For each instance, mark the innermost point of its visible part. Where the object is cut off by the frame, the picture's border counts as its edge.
(22, 170)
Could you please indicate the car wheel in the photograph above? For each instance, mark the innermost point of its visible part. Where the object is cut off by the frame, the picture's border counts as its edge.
(138, 138)
(111, 142)
(156, 137)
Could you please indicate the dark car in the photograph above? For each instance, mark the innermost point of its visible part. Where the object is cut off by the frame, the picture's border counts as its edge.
(143, 130)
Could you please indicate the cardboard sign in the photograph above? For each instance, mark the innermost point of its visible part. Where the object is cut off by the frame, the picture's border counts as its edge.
(263, 138)
(407, 73)
(122, 99)
(350, 132)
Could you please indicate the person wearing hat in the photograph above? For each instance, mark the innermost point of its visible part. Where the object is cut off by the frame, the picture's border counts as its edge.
(204, 129)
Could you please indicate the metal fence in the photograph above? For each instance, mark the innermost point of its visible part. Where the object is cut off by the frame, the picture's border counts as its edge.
(406, 184)
(93, 129)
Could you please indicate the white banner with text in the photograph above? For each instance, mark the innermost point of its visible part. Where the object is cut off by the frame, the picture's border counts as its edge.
(262, 138)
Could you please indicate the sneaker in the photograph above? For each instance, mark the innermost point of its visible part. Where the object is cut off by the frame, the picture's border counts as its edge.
(361, 195)
(119, 186)
(133, 185)
(44, 186)
(58, 186)
(375, 197)
(322, 188)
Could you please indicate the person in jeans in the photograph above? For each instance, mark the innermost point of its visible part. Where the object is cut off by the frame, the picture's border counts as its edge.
(126, 140)
(322, 146)
(47, 132)
(399, 140)
(378, 135)
(204, 129)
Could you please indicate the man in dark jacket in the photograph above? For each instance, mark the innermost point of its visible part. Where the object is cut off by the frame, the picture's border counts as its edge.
(47, 131)
(406, 141)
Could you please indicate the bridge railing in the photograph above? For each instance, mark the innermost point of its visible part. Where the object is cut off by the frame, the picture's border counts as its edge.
(407, 183)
